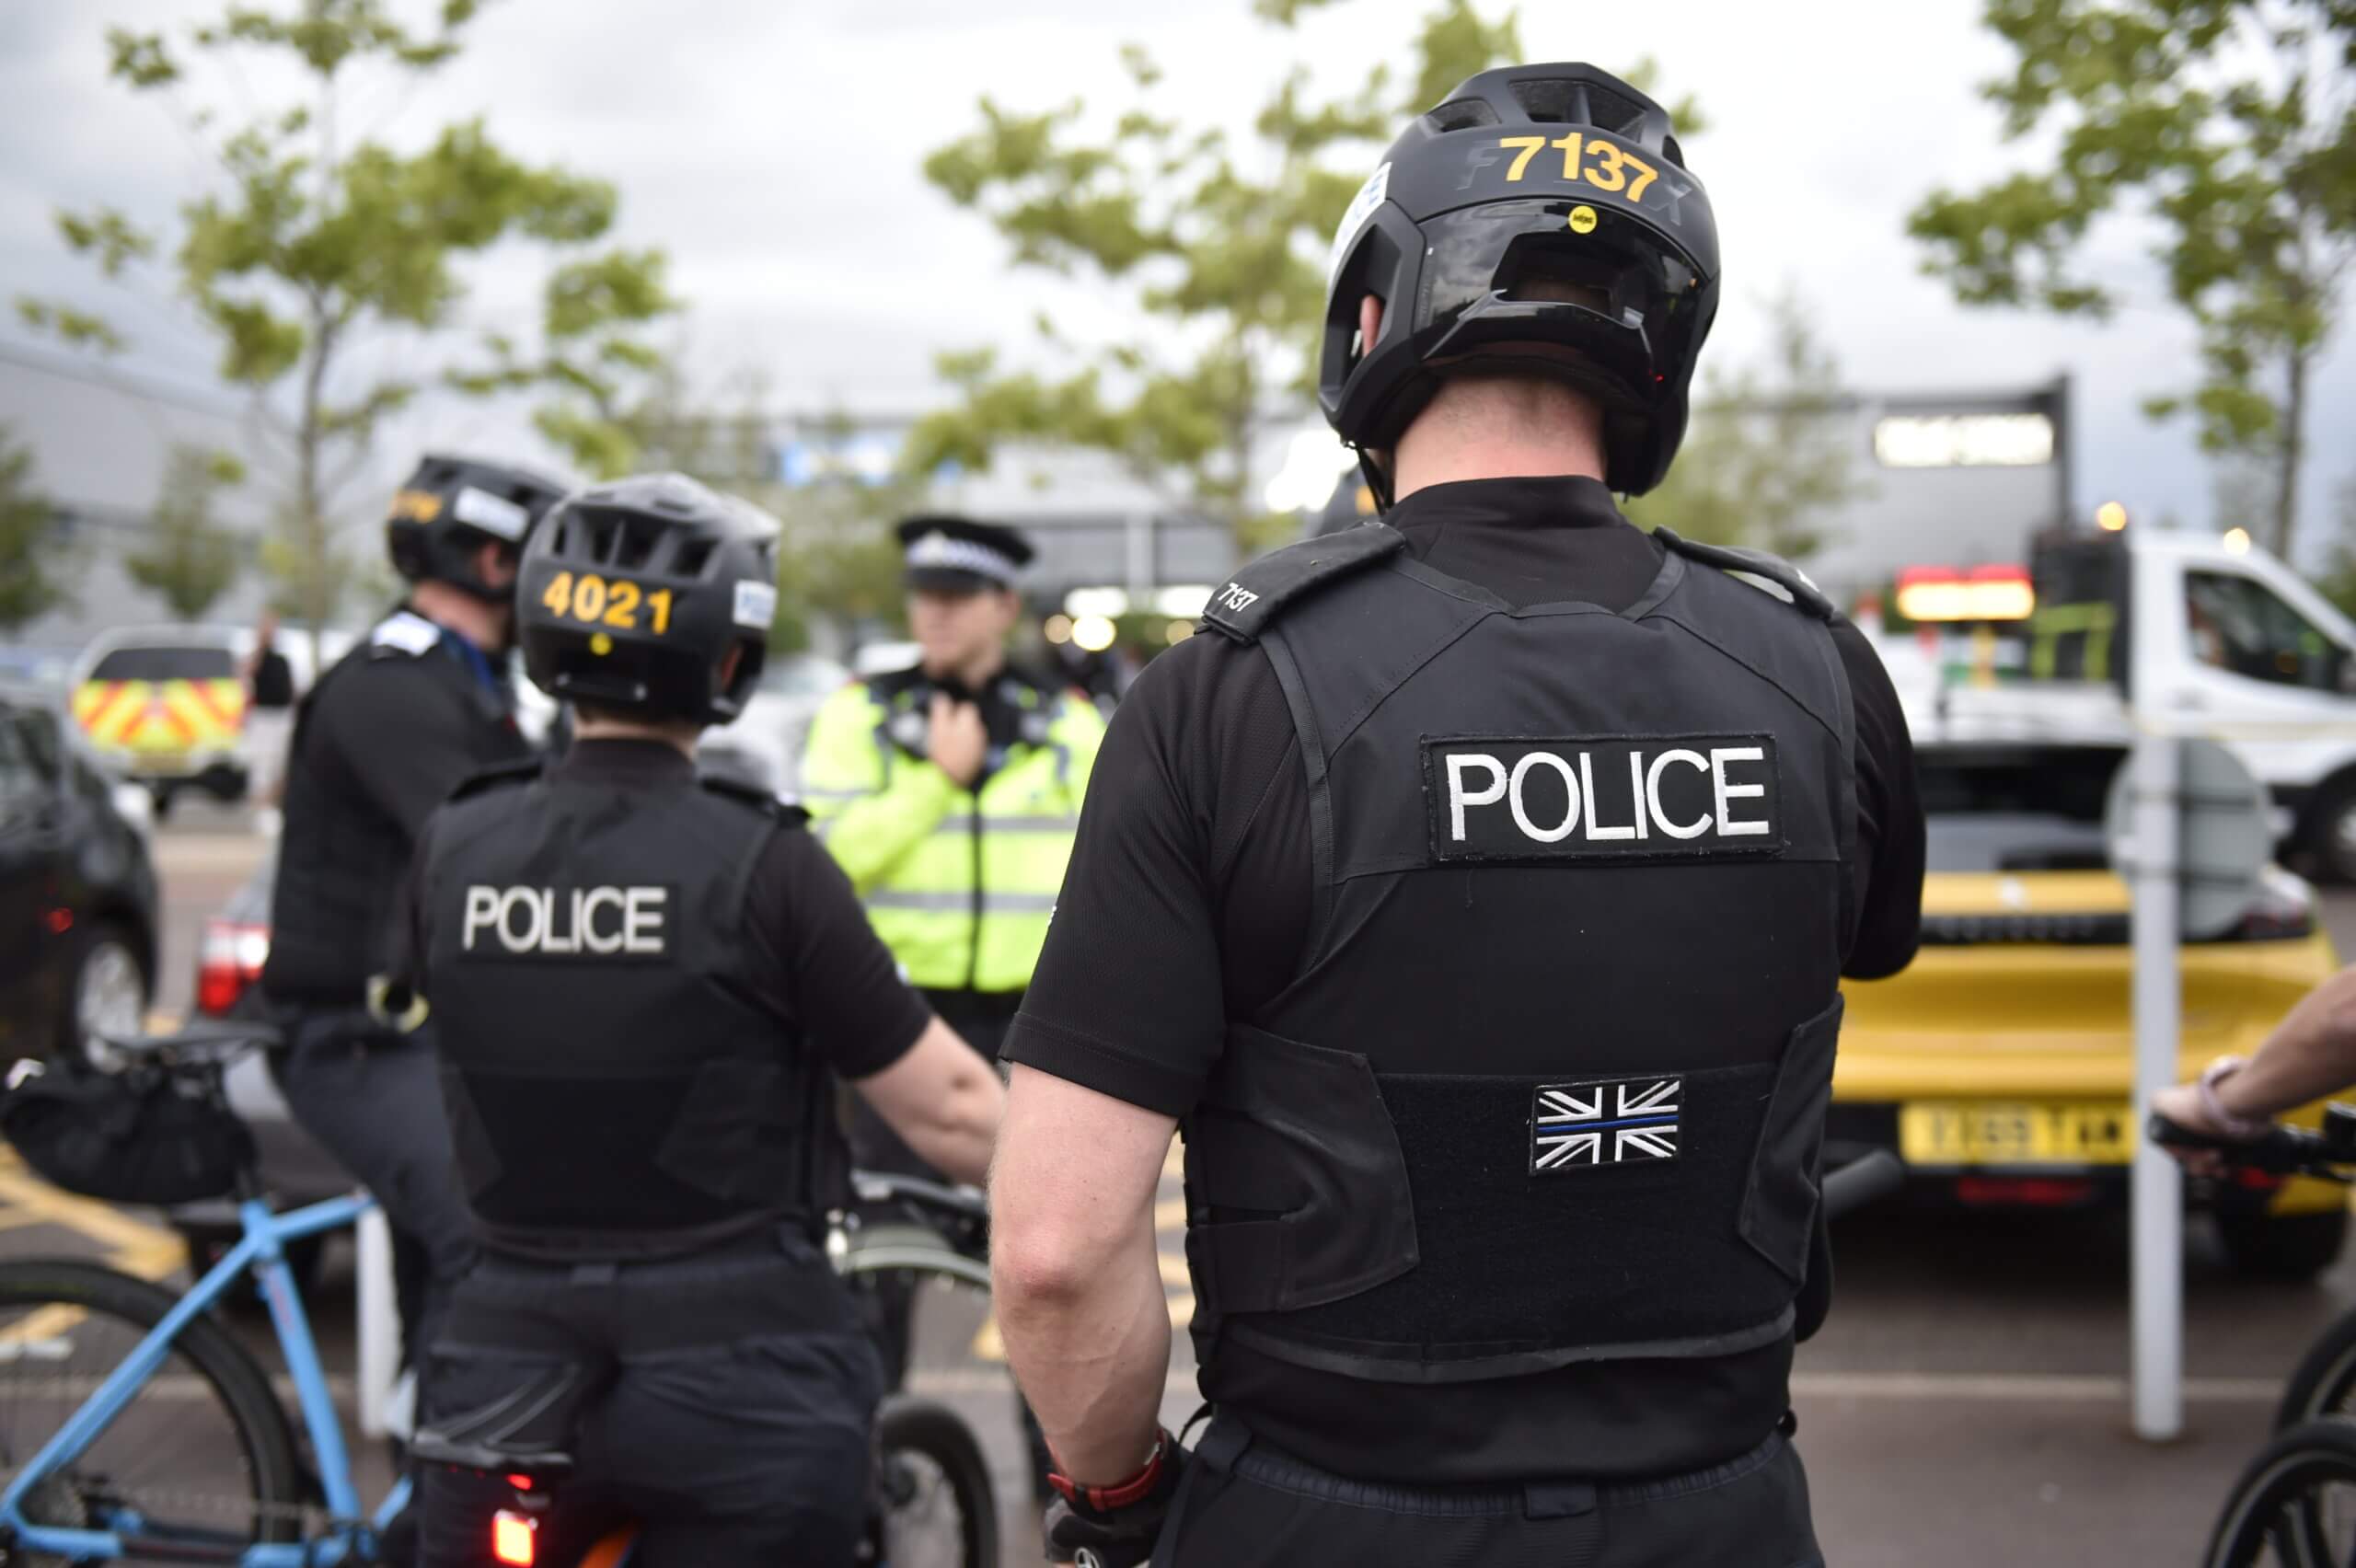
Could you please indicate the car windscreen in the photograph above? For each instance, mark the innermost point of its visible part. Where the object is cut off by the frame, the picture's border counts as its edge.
(196, 662)
(2026, 808)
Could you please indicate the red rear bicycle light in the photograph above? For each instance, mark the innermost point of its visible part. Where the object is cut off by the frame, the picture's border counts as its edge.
(512, 1538)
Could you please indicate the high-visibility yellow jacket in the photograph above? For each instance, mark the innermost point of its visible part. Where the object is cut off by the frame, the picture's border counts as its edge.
(958, 882)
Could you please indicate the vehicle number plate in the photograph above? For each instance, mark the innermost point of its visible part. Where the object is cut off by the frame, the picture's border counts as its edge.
(2004, 1133)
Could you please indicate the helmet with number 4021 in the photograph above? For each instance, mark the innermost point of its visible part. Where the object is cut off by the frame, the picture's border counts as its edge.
(1539, 221)
(634, 593)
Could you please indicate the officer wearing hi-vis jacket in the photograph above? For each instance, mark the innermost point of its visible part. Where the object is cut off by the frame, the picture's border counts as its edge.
(1476, 893)
(949, 791)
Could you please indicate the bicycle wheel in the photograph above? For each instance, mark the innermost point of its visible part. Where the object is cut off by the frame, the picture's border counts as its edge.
(933, 1488)
(2297, 1499)
(201, 1456)
(2324, 1383)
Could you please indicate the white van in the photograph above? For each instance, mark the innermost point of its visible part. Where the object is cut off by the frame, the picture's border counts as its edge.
(2231, 641)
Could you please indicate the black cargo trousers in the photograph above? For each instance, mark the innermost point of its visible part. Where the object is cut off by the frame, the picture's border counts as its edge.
(1243, 1505)
(725, 1405)
(373, 1098)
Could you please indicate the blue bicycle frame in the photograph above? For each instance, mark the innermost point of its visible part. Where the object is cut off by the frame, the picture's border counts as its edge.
(262, 1252)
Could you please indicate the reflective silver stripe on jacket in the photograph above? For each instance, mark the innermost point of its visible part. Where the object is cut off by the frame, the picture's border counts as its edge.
(962, 902)
(1058, 823)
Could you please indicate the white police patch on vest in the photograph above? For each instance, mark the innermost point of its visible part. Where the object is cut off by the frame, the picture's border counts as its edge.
(605, 923)
(1601, 797)
(1577, 1126)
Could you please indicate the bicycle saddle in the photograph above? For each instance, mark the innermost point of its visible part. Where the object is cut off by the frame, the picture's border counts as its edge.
(209, 1039)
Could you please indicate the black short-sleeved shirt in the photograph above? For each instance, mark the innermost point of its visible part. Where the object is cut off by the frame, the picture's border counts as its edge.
(833, 977)
(1187, 905)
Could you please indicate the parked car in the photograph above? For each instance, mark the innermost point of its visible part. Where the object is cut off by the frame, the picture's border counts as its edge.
(2000, 1065)
(77, 892)
(164, 706)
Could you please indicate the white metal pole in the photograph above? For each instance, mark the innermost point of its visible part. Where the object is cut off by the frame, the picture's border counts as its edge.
(379, 1327)
(2156, 1196)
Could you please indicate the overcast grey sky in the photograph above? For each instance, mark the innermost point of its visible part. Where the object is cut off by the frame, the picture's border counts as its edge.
(774, 150)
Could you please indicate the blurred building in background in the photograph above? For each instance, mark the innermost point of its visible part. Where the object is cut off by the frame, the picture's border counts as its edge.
(1957, 478)
(101, 441)
(1944, 478)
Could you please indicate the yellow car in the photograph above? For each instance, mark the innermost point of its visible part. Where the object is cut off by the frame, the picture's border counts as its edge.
(2000, 1065)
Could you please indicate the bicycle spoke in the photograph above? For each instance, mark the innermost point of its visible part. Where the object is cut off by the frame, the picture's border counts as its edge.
(171, 1466)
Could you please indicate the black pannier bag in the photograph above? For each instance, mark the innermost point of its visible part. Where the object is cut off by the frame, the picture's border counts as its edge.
(139, 1137)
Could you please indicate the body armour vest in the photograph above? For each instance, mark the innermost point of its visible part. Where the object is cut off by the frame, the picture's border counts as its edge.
(1550, 1083)
(619, 1079)
(341, 855)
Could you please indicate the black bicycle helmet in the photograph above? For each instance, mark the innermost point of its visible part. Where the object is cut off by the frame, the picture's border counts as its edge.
(452, 506)
(633, 592)
(1545, 205)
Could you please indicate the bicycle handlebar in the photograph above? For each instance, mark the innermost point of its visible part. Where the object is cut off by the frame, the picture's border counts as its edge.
(1862, 1181)
(883, 1187)
(2280, 1151)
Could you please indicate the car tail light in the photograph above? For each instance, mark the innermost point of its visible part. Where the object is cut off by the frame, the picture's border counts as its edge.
(512, 1538)
(230, 960)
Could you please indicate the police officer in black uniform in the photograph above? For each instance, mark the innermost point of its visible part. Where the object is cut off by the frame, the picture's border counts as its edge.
(379, 741)
(1475, 892)
(645, 987)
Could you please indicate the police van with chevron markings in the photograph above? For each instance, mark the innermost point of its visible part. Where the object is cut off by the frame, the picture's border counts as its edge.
(165, 707)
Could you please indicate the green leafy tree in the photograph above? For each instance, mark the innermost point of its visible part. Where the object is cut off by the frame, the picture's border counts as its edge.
(34, 574)
(2337, 583)
(2224, 125)
(321, 254)
(1220, 246)
(1767, 458)
(189, 560)
(836, 559)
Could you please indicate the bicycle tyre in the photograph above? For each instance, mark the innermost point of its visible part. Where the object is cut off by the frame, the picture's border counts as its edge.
(2275, 1494)
(919, 1427)
(2324, 1383)
(274, 1480)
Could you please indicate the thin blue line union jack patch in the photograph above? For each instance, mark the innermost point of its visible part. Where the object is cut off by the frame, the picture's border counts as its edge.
(1576, 1126)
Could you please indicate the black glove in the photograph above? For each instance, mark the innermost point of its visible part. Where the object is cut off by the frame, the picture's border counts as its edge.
(1115, 1526)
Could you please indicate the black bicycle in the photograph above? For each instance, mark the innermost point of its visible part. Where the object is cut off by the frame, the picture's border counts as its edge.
(2295, 1504)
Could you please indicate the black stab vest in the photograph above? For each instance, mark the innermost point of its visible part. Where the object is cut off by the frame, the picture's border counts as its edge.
(341, 857)
(620, 1076)
(1549, 1085)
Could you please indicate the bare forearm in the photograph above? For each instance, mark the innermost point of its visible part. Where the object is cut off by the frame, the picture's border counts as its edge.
(1092, 1356)
(944, 1099)
(2311, 1053)
(958, 1137)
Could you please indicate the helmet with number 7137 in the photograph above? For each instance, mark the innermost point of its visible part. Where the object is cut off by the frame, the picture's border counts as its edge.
(1540, 221)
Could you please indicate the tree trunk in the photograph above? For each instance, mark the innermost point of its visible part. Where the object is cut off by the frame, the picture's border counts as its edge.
(311, 522)
(2292, 457)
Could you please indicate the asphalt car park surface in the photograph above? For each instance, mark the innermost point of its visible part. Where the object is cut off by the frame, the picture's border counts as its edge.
(1965, 1404)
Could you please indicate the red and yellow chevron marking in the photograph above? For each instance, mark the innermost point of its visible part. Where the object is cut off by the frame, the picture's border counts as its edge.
(144, 716)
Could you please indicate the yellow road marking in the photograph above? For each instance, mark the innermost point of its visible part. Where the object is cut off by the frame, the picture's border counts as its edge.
(1174, 1163)
(1170, 1215)
(1173, 1270)
(43, 1323)
(161, 1022)
(132, 1245)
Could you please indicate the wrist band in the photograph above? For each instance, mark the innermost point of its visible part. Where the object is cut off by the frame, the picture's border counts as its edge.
(2214, 1109)
(1122, 1495)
